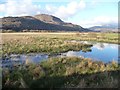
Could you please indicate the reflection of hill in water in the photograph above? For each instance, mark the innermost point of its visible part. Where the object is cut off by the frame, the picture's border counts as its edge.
(100, 46)
(100, 51)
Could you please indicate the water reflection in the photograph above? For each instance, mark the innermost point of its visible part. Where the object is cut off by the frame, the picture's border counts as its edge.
(17, 60)
(100, 51)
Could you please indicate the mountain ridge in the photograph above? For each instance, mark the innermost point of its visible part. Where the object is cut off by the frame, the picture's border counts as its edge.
(110, 27)
(39, 22)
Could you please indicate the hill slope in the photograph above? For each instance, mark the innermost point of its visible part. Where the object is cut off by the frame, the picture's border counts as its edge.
(38, 22)
(105, 28)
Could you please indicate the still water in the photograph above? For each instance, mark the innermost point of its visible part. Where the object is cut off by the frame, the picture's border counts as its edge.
(99, 51)
(15, 59)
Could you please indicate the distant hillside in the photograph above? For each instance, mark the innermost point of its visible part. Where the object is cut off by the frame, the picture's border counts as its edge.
(49, 19)
(39, 22)
(105, 28)
(54, 20)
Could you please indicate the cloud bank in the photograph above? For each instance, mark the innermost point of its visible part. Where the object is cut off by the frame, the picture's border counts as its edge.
(72, 8)
(26, 7)
(69, 10)
(99, 21)
(19, 8)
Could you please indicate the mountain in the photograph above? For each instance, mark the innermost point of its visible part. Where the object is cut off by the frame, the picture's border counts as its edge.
(38, 22)
(53, 20)
(49, 19)
(112, 27)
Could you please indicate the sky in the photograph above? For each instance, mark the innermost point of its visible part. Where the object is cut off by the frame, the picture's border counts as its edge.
(86, 13)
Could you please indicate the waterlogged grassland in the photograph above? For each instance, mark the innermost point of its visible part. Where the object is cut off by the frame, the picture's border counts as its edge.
(50, 42)
(64, 72)
(40, 43)
(58, 72)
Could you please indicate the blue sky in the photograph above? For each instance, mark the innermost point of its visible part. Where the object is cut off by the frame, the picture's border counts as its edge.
(86, 13)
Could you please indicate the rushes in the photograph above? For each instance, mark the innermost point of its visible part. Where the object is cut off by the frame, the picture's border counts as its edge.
(38, 44)
(59, 72)
(50, 42)
(79, 65)
(66, 72)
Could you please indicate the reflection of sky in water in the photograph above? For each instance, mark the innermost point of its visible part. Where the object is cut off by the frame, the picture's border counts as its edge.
(35, 58)
(100, 51)
(23, 59)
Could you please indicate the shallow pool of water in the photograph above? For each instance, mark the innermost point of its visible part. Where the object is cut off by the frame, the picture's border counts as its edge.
(16, 59)
(100, 51)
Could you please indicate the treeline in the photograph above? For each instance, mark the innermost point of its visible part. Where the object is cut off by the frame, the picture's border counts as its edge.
(12, 31)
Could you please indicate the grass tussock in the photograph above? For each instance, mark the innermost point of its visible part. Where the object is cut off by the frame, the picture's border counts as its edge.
(38, 44)
(58, 72)
(64, 72)
(51, 42)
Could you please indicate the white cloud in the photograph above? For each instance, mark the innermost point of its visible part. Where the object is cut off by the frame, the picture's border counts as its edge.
(19, 8)
(101, 46)
(98, 21)
(26, 7)
(2, 7)
(69, 10)
(95, 2)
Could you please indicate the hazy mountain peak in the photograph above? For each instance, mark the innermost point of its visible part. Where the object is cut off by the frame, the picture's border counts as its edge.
(106, 27)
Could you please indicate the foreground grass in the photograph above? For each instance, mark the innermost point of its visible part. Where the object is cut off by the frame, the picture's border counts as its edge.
(63, 72)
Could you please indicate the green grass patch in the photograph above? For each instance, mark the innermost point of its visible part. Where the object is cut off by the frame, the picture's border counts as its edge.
(64, 72)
